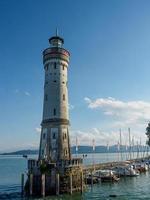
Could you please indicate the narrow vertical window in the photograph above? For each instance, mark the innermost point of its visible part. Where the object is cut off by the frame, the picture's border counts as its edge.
(63, 97)
(65, 152)
(54, 111)
(42, 151)
(44, 135)
(63, 67)
(46, 67)
(55, 64)
(54, 136)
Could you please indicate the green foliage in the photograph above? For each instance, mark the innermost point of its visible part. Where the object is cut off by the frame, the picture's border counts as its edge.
(148, 134)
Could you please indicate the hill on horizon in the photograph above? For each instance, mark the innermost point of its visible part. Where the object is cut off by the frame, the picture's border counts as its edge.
(82, 150)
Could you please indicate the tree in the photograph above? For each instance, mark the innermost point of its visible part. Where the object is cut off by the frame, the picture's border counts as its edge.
(148, 134)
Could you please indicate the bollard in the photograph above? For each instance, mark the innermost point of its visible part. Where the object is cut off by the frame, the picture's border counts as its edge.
(43, 185)
(31, 184)
(81, 182)
(57, 184)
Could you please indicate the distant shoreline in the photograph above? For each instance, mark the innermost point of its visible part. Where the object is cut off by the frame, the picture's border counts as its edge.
(82, 150)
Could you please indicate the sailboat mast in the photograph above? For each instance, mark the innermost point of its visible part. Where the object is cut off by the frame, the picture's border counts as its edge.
(129, 144)
(121, 145)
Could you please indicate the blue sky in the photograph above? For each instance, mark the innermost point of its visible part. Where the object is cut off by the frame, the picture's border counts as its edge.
(109, 71)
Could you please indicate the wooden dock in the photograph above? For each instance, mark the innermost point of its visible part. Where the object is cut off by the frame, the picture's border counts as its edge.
(110, 165)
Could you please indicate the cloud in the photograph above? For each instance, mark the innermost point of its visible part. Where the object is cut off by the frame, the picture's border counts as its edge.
(27, 93)
(100, 137)
(104, 137)
(71, 107)
(127, 113)
(38, 130)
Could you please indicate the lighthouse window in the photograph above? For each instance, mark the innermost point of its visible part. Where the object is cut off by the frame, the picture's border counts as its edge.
(54, 136)
(46, 67)
(44, 135)
(63, 97)
(65, 152)
(63, 67)
(55, 64)
(54, 111)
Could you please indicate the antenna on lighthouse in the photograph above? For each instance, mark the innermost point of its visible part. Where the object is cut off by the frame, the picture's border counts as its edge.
(56, 31)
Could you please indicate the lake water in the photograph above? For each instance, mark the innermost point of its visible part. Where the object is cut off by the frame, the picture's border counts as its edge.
(134, 188)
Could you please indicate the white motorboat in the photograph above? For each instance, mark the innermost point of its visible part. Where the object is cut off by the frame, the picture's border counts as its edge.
(126, 171)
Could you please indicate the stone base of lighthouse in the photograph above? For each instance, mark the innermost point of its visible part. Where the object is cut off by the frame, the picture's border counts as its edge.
(46, 178)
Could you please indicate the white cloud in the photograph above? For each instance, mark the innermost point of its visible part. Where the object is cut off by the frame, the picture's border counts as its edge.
(104, 137)
(38, 129)
(127, 113)
(121, 114)
(27, 93)
(71, 107)
(100, 137)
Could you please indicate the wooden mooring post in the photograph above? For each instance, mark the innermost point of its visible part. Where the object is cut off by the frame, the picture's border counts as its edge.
(43, 185)
(81, 182)
(31, 184)
(22, 184)
(57, 184)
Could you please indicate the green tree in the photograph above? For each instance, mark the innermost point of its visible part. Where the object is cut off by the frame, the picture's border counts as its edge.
(148, 134)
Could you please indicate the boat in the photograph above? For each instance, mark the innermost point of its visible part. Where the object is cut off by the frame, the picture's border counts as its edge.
(91, 179)
(106, 176)
(141, 167)
(24, 156)
(126, 171)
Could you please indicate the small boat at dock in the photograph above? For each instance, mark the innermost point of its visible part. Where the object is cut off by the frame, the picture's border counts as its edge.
(141, 167)
(126, 171)
(106, 176)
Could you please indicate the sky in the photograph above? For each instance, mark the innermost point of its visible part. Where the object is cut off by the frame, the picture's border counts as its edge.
(109, 72)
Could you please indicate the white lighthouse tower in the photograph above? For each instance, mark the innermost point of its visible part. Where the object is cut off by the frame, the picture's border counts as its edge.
(54, 142)
(55, 171)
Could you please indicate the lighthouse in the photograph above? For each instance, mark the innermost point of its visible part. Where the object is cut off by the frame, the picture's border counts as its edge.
(55, 171)
(54, 142)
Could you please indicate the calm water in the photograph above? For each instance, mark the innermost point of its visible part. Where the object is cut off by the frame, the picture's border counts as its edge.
(135, 188)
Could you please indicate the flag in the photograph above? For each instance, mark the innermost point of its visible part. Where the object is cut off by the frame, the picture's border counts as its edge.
(76, 144)
(93, 144)
(107, 146)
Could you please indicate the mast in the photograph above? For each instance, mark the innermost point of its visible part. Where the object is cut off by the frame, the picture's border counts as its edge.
(129, 143)
(133, 146)
(93, 146)
(121, 145)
